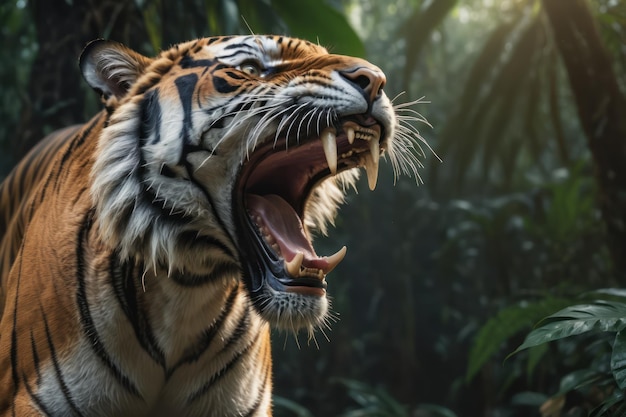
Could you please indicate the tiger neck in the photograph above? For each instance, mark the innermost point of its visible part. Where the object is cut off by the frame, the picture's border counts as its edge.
(183, 322)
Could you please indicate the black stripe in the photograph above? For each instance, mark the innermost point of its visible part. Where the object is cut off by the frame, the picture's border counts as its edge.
(186, 85)
(13, 353)
(234, 54)
(15, 376)
(236, 76)
(259, 398)
(222, 86)
(188, 62)
(150, 114)
(33, 347)
(57, 369)
(240, 45)
(191, 238)
(123, 277)
(242, 328)
(190, 173)
(266, 375)
(38, 402)
(87, 324)
(193, 280)
(77, 141)
(221, 373)
(222, 38)
(194, 352)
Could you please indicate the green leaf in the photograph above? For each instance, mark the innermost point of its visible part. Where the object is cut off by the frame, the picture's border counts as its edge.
(507, 323)
(373, 401)
(534, 399)
(259, 16)
(152, 20)
(619, 293)
(579, 319)
(318, 22)
(535, 354)
(436, 410)
(618, 359)
(578, 379)
(417, 30)
(295, 408)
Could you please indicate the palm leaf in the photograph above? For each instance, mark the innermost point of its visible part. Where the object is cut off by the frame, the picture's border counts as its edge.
(579, 379)
(507, 323)
(497, 108)
(417, 30)
(618, 359)
(574, 320)
(322, 24)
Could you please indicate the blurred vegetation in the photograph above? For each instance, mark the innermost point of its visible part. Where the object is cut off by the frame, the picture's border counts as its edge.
(524, 219)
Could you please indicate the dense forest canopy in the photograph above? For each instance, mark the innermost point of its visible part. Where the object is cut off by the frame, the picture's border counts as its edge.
(521, 215)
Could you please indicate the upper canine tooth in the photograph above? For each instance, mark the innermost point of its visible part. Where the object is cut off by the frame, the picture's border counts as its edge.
(350, 133)
(329, 142)
(371, 167)
(293, 266)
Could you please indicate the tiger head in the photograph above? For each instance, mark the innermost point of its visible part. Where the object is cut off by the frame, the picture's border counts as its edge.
(222, 156)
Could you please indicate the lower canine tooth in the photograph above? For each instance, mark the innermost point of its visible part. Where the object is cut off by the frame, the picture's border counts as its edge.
(293, 266)
(334, 260)
(371, 166)
(350, 134)
(329, 142)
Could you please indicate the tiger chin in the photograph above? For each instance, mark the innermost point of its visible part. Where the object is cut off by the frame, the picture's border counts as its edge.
(146, 253)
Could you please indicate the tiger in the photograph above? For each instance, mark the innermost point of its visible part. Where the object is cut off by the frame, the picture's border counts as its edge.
(147, 253)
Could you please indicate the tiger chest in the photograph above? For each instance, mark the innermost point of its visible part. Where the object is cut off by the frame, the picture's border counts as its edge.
(156, 352)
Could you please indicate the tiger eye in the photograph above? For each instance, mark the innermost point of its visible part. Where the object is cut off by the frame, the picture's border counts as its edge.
(251, 69)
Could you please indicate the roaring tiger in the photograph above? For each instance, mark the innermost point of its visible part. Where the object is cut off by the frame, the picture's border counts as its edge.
(145, 254)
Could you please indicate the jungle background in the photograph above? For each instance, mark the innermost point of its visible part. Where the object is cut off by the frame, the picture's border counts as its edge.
(445, 278)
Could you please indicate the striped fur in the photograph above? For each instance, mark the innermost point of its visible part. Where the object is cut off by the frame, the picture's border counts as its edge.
(128, 287)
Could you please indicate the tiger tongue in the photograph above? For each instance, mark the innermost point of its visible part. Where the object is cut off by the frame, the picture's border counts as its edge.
(279, 219)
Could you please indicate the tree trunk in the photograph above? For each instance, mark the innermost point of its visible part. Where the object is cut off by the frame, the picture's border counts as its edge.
(601, 110)
(55, 98)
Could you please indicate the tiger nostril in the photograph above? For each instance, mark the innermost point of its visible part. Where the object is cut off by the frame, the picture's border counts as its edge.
(368, 80)
(362, 81)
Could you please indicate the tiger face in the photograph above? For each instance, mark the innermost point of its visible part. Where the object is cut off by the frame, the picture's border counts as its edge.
(223, 156)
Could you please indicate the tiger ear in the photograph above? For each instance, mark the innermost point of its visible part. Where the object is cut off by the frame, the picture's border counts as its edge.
(111, 68)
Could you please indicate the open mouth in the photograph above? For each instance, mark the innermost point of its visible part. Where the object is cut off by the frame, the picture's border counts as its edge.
(273, 189)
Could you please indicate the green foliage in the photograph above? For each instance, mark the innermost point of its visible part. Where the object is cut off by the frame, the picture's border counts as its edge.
(282, 404)
(600, 316)
(376, 402)
(323, 24)
(574, 320)
(428, 279)
(507, 323)
(372, 401)
(15, 60)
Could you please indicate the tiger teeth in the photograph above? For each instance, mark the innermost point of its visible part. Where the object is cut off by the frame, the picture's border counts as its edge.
(350, 134)
(375, 150)
(329, 142)
(334, 260)
(371, 167)
(293, 266)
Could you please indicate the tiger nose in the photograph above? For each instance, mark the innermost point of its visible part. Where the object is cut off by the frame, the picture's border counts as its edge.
(368, 80)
